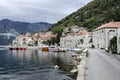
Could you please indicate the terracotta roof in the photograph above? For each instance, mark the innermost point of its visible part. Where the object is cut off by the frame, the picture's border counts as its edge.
(81, 33)
(20, 36)
(36, 36)
(109, 25)
(90, 33)
(46, 36)
(43, 37)
(71, 34)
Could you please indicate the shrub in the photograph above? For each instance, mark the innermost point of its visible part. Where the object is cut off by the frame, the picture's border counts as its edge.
(113, 45)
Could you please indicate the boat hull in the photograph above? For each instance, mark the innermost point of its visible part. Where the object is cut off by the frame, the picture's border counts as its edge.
(46, 49)
(17, 48)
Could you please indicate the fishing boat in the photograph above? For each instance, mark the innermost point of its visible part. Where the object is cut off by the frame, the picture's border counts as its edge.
(17, 48)
(56, 49)
(45, 48)
(53, 49)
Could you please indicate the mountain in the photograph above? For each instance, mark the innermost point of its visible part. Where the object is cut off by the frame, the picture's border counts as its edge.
(17, 27)
(92, 15)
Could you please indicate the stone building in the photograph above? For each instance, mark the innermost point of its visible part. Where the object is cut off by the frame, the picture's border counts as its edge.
(103, 34)
(78, 37)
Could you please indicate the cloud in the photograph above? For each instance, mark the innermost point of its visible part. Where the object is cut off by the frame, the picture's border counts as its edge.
(39, 10)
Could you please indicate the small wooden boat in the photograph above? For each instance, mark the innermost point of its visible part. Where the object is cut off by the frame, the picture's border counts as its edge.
(45, 48)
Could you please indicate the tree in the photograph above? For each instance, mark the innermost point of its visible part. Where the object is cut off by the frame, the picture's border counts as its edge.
(91, 40)
(69, 29)
(81, 41)
(36, 43)
(58, 31)
(113, 45)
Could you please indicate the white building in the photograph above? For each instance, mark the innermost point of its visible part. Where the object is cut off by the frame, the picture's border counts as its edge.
(21, 40)
(118, 40)
(79, 38)
(73, 29)
(103, 34)
(44, 37)
(69, 41)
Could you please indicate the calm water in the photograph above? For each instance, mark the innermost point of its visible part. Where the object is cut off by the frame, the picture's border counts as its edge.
(34, 65)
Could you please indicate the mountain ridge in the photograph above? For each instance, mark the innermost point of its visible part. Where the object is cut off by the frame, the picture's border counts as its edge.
(17, 27)
(92, 15)
(23, 27)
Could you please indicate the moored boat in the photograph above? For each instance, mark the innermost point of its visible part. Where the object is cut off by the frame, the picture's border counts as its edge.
(45, 48)
(17, 48)
(63, 49)
(53, 49)
(56, 49)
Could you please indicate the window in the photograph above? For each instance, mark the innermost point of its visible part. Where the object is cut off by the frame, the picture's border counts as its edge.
(102, 31)
(24, 39)
(119, 39)
(111, 30)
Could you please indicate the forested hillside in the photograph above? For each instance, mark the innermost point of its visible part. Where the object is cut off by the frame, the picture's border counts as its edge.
(92, 15)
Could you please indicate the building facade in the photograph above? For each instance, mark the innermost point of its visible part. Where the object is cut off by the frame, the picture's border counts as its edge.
(77, 38)
(103, 34)
(35, 39)
(21, 40)
(118, 40)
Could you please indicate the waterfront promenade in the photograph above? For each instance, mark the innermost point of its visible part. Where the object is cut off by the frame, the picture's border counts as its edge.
(102, 66)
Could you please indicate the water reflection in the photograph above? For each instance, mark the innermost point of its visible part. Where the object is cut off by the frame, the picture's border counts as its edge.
(34, 64)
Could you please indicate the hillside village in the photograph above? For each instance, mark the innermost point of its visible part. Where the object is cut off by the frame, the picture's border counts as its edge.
(76, 37)
(84, 45)
(94, 25)
(35, 39)
(72, 37)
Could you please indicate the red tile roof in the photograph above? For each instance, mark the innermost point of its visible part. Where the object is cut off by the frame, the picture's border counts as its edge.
(46, 36)
(90, 33)
(109, 25)
(81, 33)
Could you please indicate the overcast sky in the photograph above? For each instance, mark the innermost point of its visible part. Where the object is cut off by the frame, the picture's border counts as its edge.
(38, 10)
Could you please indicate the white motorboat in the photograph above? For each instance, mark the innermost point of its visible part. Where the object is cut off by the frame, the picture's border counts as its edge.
(53, 48)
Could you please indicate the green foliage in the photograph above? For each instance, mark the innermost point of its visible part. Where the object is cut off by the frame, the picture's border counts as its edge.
(51, 41)
(81, 41)
(113, 45)
(36, 43)
(58, 31)
(48, 42)
(119, 53)
(90, 16)
(69, 29)
(30, 45)
(93, 14)
(91, 40)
